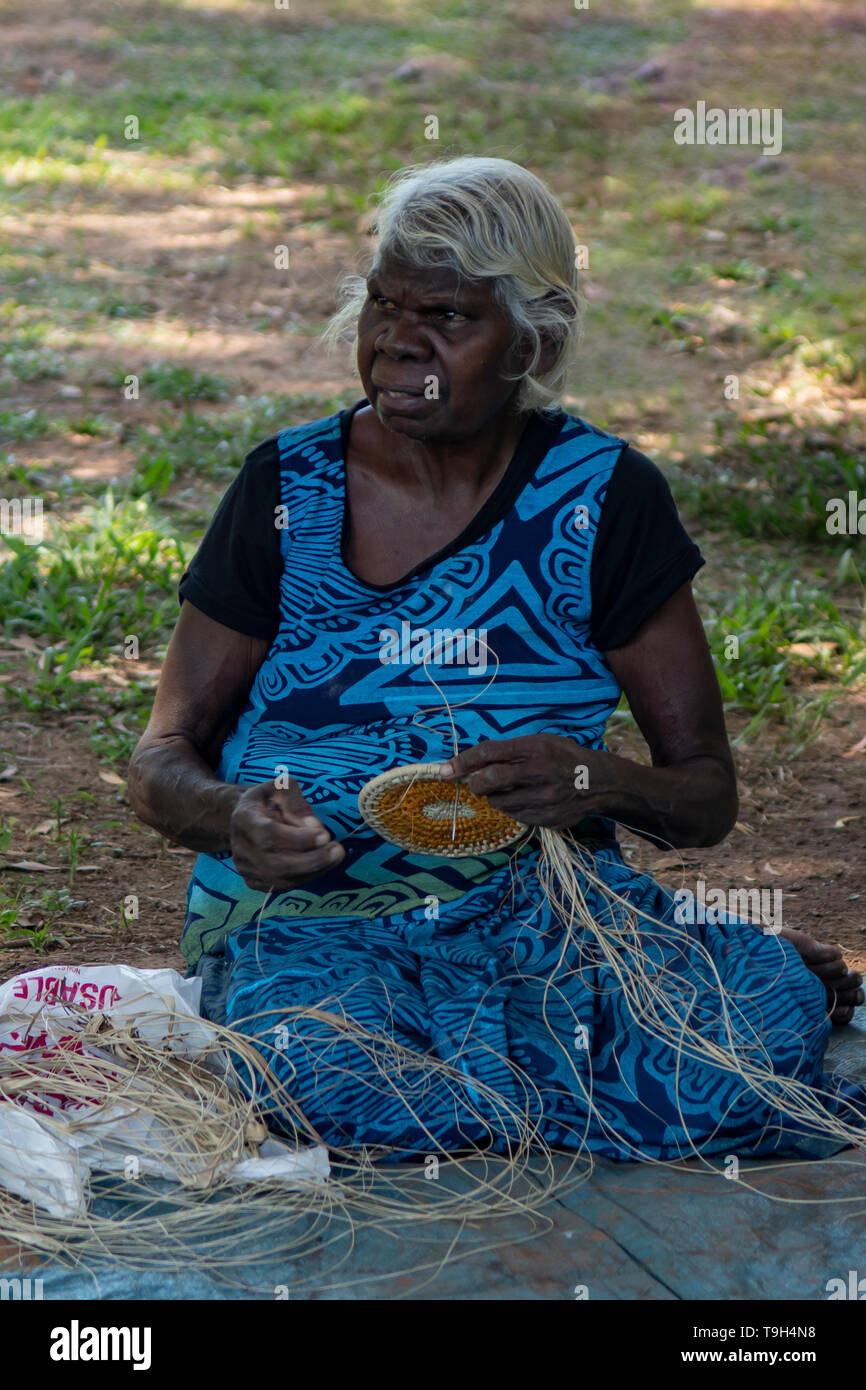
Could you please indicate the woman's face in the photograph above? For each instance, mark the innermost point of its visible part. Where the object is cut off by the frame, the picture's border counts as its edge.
(432, 351)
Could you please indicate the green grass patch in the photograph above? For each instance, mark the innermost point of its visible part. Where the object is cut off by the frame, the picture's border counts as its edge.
(173, 381)
(763, 485)
(105, 575)
(32, 363)
(105, 572)
(215, 445)
(777, 638)
(18, 425)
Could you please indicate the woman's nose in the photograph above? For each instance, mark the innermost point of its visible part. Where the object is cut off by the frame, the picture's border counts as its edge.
(400, 338)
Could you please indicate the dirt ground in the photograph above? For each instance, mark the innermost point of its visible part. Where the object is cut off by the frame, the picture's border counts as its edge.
(800, 830)
(801, 826)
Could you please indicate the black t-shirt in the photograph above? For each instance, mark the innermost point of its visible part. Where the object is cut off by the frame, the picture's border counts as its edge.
(642, 553)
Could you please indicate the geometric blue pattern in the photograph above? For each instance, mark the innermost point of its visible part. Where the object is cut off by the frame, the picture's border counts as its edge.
(534, 1031)
(489, 986)
(324, 706)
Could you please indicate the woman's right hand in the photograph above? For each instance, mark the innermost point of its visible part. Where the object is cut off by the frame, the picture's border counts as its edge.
(276, 840)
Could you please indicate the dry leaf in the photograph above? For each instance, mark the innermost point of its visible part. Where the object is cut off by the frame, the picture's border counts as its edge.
(112, 778)
(8, 772)
(743, 828)
(768, 870)
(859, 747)
(45, 827)
(33, 866)
(810, 649)
(29, 919)
(843, 821)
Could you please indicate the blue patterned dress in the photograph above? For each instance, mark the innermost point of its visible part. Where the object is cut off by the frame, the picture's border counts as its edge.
(463, 958)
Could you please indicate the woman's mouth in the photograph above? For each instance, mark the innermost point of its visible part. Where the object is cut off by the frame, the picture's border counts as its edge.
(400, 398)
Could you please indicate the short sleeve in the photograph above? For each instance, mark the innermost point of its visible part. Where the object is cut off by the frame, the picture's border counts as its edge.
(234, 576)
(642, 552)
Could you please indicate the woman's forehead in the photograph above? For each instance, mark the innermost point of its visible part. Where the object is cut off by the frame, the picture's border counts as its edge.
(428, 279)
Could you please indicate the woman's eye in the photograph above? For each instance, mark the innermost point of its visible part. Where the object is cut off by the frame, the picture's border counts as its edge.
(382, 301)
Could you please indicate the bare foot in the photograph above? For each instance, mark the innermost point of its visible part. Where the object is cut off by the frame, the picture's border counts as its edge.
(842, 985)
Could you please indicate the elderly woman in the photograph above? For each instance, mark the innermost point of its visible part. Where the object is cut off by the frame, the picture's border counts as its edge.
(457, 496)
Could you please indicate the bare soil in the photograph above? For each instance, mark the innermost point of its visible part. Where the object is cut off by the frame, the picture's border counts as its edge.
(213, 304)
(801, 829)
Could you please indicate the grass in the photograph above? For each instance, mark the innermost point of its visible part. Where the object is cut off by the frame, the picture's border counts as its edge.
(171, 381)
(214, 445)
(107, 573)
(700, 267)
(777, 638)
(771, 483)
(786, 648)
(51, 907)
(31, 363)
(18, 425)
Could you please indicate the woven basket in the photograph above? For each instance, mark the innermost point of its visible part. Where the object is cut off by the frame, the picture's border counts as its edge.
(413, 807)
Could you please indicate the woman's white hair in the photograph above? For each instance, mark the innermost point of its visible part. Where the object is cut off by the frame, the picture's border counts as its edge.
(489, 219)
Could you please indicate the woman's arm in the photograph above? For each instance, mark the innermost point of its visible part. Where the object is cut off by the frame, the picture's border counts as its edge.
(275, 840)
(206, 677)
(688, 796)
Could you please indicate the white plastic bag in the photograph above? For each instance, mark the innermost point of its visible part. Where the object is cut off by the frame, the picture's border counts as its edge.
(47, 1159)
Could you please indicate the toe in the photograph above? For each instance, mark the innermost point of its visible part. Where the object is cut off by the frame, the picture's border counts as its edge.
(825, 952)
(843, 1001)
(833, 972)
(839, 1017)
(814, 953)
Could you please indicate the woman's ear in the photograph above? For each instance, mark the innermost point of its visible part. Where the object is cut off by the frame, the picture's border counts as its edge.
(524, 351)
(547, 357)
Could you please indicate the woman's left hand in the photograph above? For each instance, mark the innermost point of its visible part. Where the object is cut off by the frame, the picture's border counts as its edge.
(540, 779)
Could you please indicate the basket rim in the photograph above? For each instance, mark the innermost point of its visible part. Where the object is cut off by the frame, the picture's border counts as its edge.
(408, 772)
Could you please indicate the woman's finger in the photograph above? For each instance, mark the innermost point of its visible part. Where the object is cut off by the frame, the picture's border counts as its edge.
(278, 870)
(253, 827)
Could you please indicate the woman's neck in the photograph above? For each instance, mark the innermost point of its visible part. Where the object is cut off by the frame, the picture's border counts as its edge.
(437, 467)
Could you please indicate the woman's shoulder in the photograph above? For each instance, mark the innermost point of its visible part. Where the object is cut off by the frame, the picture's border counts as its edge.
(630, 469)
(578, 437)
(571, 457)
(263, 457)
(298, 448)
(315, 441)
